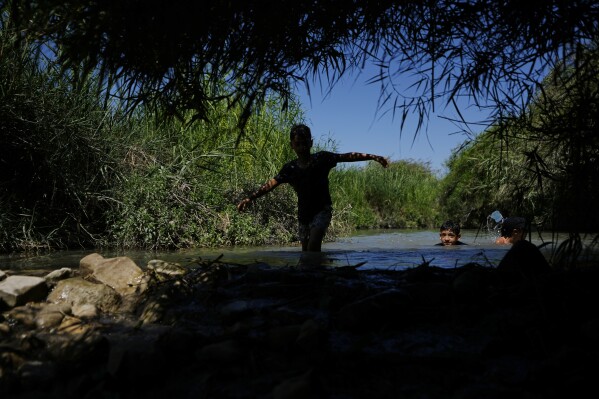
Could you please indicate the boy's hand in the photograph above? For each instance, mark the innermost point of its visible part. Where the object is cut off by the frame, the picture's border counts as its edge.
(383, 161)
(243, 204)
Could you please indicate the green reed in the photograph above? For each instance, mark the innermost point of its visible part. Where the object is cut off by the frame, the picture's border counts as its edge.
(55, 160)
(186, 191)
(77, 172)
(403, 196)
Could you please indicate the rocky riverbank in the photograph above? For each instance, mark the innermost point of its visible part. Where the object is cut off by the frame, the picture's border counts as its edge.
(221, 330)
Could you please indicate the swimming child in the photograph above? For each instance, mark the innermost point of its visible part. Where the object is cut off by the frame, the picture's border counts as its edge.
(309, 177)
(523, 257)
(506, 231)
(449, 233)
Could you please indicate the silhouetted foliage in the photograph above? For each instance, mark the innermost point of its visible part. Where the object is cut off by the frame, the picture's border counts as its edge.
(542, 163)
(175, 55)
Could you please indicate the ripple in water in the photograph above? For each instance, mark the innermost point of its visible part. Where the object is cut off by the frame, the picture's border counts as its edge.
(383, 249)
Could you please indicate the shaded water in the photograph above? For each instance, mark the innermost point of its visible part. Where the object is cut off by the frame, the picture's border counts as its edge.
(376, 249)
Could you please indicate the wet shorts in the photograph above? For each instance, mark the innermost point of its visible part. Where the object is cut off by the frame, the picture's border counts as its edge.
(321, 220)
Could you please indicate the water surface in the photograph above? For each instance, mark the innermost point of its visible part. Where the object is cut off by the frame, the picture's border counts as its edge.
(373, 249)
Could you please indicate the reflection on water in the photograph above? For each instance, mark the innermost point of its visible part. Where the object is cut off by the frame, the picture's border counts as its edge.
(382, 249)
(398, 249)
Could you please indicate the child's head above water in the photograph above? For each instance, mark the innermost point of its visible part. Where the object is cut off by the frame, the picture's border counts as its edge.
(512, 230)
(449, 233)
(511, 225)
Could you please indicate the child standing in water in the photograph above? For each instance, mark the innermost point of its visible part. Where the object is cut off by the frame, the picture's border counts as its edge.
(449, 233)
(309, 177)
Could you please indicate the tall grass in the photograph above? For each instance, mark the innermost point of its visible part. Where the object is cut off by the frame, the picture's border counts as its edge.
(77, 173)
(542, 164)
(55, 167)
(403, 196)
(185, 191)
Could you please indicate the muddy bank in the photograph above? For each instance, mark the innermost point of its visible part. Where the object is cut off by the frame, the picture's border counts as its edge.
(223, 330)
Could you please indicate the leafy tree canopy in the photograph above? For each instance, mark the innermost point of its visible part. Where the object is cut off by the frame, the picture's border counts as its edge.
(181, 55)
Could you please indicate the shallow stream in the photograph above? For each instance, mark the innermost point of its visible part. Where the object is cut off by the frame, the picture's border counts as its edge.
(373, 249)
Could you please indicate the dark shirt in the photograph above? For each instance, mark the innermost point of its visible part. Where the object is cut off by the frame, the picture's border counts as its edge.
(524, 257)
(311, 183)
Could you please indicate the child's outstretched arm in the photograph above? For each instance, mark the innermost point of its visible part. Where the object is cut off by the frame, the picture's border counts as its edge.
(266, 187)
(360, 156)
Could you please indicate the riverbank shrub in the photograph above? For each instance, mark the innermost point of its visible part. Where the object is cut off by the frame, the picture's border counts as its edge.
(542, 164)
(55, 158)
(185, 193)
(403, 196)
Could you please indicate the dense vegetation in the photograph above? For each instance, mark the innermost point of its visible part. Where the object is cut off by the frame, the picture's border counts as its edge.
(542, 163)
(89, 162)
(77, 173)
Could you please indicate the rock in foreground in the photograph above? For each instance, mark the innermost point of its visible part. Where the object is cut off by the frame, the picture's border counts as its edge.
(219, 330)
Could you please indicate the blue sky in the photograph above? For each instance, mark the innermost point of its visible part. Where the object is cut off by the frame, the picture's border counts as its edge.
(349, 116)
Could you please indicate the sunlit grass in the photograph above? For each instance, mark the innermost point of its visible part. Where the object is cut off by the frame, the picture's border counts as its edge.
(79, 173)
